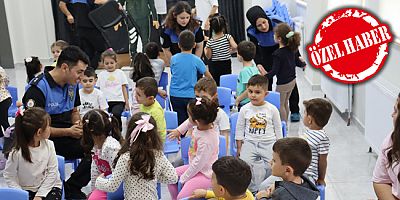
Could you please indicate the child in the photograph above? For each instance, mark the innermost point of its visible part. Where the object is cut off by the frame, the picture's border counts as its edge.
(140, 163)
(284, 64)
(258, 126)
(184, 69)
(102, 139)
(203, 151)
(291, 157)
(33, 67)
(218, 48)
(230, 179)
(91, 98)
(146, 92)
(152, 51)
(5, 101)
(113, 83)
(206, 87)
(316, 116)
(32, 165)
(56, 49)
(246, 53)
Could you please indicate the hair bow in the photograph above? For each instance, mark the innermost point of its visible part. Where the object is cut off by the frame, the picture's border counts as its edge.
(142, 125)
(28, 59)
(198, 101)
(20, 111)
(290, 34)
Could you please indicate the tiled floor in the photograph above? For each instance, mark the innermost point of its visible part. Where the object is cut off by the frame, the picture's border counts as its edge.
(350, 165)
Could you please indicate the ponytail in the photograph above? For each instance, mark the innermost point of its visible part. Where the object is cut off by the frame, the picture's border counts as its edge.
(115, 130)
(288, 37)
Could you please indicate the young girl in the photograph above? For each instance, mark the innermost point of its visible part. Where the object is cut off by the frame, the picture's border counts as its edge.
(284, 64)
(32, 165)
(5, 101)
(113, 83)
(203, 150)
(33, 67)
(179, 19)
(218, 48)
(56, 49)
(140, 163)
(152, 51)
(102, 139)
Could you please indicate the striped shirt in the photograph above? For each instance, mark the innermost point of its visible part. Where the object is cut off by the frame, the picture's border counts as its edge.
(319, 144)
(220, 48)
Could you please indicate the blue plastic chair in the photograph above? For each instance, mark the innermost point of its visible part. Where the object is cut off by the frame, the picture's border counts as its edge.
(232, 142)
(127, 114)
(14, 194)
(274, 98)
(185, 144)
(118, 194)
(171, 119)
(229, 81)
(222, 146)
(161, 101)
(74, 162)
(14, 97)
(61, 170)
(321, 189)
(224, 99)
(163, 80)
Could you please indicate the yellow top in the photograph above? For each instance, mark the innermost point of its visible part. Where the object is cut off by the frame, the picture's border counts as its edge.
(157, 112)
(210, 194)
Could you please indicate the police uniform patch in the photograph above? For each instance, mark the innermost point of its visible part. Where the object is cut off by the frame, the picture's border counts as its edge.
(71, 93)
(30, 103)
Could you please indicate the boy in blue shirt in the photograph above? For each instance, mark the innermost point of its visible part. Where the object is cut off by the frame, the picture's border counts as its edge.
(184, 68)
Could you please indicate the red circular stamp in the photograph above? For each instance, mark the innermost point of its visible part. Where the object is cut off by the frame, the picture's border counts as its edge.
(350, 45)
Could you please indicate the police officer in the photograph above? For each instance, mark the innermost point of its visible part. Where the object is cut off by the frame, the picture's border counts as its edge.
(57, 92)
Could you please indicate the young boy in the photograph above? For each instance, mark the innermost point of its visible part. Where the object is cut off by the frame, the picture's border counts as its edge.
(146, 91)
(229, 180)
(152, 51)
(290, 159)
(258, 126)
(316, 116)
(246, 54)
(91, 98)
(184, 69)
(207, 87)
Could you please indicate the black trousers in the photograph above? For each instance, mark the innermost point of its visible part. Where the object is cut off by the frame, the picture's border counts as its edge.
(92, 43)
(179, 105)
(54, 194)
(219, 68)
(4, 105)
(71, 148)
(294, 100)
(116, 108)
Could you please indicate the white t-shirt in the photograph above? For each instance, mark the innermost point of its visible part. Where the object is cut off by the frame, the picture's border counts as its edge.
(203, 8)
(94, 100)
(259, 123)
(221, 123)
(111, 83)
(158, 67)
(161, 6)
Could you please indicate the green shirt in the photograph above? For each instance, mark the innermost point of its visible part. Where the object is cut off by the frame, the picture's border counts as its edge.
(243, 78)
(157, 112)
(140, 9)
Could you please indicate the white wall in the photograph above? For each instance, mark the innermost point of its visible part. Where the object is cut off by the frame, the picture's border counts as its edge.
(31, 28)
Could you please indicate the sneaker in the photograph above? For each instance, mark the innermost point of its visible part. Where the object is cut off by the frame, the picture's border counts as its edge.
(295, 117)
(72, 192)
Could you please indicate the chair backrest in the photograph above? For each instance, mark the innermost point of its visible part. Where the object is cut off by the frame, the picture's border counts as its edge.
(14, 194)
(163, 80)
(224, 99)
(229, 81)
(61, 167)
(171, 119)
(233, 120)
(14, 95)
(274, 98)
(222, 146)
(161, 101)
(185, 144)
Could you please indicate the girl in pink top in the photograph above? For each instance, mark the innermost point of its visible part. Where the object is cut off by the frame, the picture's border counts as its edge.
(102, 139)
(203, 151)
(386, 178)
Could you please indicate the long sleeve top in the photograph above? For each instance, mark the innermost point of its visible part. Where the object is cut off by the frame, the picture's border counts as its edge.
(203, 152)
(40, 176)
(259, 123)
(103, 158)
(135, 187)
(284, 65)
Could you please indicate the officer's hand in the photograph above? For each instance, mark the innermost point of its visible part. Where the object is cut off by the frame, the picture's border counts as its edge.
(76, 131)
(70, 19)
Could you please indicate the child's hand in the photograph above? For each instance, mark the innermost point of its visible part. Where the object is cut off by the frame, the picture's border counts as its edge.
(37, 198)
(261, 70)
(162, 93)
(156, 24)
(101, 175)
(321, 182)
(198, 193)
(173, 134)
